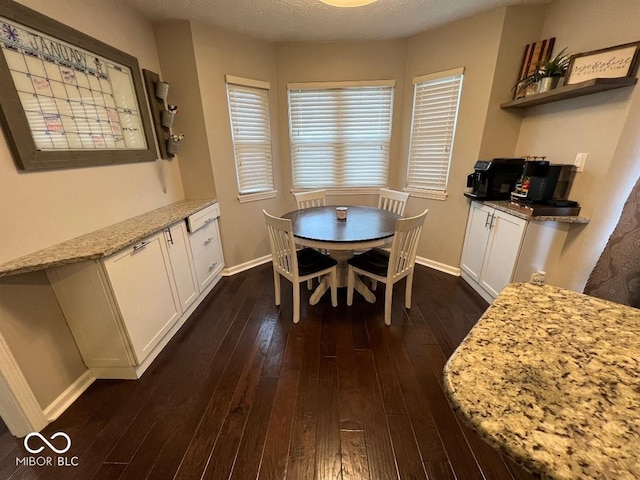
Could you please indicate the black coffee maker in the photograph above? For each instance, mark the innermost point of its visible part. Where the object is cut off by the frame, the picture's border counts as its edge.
(494, 179)
(542, 182)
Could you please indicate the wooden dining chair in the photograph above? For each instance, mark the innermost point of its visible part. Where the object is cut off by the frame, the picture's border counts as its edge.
(314, 198)
(297, 266)
(392, 200)
(389, 267)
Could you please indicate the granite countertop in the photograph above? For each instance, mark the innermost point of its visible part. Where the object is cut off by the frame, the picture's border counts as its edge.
(105, 241)
(551, 378)
(503, 206)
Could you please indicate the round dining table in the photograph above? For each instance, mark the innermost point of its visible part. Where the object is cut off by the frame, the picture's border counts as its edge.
(363, 228)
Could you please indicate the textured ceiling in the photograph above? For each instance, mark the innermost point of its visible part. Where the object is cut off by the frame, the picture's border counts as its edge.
(282, 20)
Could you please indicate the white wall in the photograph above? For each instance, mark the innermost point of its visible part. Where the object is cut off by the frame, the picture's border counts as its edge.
(40, 209)
(604, 124)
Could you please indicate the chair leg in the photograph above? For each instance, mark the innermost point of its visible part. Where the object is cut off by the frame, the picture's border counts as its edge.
(350, 285)
(296, 303)
(334, 288)
(407, 290)
(310, 284)
(374, 284)
(388, 295)
(276, 286)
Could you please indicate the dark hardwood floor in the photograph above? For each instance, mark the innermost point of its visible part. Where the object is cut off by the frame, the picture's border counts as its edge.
(243, 393)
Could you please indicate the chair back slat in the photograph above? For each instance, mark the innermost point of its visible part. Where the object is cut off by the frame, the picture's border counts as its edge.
(405, 244)
(282, 245)
(392, 200)
(315, 198)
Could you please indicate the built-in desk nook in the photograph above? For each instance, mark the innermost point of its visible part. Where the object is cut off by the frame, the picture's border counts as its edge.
(126, 289)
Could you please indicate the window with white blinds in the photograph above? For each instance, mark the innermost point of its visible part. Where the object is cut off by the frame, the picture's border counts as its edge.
(251, 133)
(436, 99)
(340, 134)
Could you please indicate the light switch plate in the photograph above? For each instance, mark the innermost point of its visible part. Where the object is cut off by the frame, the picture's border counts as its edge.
(581, 159)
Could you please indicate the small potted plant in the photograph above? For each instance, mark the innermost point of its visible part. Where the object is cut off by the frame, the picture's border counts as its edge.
(546, 75)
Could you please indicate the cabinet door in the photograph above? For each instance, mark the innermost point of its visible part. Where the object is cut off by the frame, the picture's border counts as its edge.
(503, 247)
(140, 277)
(475, 240)
(182, 264)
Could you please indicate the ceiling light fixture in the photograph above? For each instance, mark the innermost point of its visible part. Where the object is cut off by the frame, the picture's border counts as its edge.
(348, 3)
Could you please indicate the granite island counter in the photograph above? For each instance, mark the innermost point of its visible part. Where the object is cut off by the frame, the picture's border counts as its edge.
(551, 378)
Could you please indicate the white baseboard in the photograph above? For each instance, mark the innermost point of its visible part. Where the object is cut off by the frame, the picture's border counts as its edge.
(66, 398)
(441, 267)
(227, 272)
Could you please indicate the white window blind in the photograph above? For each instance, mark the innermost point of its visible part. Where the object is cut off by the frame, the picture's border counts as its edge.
(435, 112)
(340, 134)
(251, 133)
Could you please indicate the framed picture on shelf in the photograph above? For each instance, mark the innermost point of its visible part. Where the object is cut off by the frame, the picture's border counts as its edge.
(67, 99)
(620, 61)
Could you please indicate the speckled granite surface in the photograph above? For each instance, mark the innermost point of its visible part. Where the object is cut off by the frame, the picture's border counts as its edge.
(503, 206)
(552, 378)
(105, 241)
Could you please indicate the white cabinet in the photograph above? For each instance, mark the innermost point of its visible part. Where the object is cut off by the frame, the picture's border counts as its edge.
(123, 309)
(182, 264)
(142, 284)
(500, 248)
(205, 245)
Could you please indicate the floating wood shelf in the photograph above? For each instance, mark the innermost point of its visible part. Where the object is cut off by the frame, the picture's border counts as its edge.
(570, 91)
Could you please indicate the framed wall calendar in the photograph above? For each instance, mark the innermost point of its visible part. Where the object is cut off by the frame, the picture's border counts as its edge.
(67, 99)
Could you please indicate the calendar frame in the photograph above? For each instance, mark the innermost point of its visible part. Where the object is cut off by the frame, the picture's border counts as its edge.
(13, 118)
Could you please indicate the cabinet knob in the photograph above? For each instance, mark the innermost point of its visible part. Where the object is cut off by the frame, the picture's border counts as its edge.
(209, 220)
(213, 267)
(208, 241)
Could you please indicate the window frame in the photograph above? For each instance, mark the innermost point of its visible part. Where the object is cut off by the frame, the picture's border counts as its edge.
(437, 193)
(341, 85)
(262, 86)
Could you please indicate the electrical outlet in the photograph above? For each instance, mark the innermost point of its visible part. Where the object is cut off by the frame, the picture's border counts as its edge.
(581, 159)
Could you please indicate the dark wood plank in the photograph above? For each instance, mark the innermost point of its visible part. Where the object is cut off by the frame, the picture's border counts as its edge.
(408, 460)
(276, 447)
(392, 397)
(302, 452)
(197, 454)
(355, 462)
(348, 386)
(252, 444)
(380, 453)
(424, 427)
(242, 392)
(328, 461)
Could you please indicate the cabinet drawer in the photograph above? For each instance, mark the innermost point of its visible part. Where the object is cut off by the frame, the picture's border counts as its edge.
(203, 237)
(208, 263)
(203, 217)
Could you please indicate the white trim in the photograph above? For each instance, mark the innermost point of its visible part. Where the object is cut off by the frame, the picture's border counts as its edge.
(227, 272)
(19, 407)
(424, 193)
(70, 395)
(247, 82)
(254, 197)
(433, 76)
(441, 267)
(343, 84)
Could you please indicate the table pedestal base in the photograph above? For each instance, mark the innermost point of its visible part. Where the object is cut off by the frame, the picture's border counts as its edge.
(343, 269)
